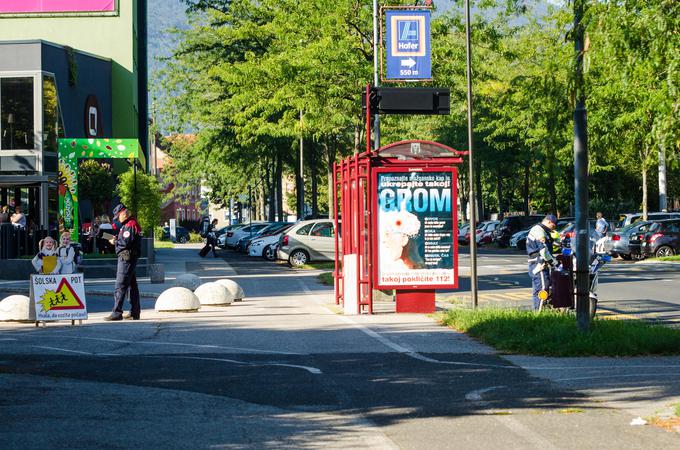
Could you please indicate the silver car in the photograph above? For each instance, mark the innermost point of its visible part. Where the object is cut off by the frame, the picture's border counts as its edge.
(309, 240)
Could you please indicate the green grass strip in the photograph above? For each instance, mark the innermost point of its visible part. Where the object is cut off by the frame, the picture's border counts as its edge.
(163, 244)
(677, 410)
(553, 333)
(326, 279)
(670, 258)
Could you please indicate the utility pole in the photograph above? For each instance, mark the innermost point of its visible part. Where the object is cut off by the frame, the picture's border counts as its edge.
(471, 170)
(581, 179)
(376, 81)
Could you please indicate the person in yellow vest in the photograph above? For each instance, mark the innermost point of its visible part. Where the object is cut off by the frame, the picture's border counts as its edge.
(47, 261)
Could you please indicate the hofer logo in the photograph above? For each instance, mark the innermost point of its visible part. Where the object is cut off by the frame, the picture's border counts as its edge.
(408, 38)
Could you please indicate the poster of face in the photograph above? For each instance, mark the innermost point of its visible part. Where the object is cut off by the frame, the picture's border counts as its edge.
(416, 228)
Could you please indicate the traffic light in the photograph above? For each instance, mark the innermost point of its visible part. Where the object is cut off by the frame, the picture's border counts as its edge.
(401, 100)
(238, 208)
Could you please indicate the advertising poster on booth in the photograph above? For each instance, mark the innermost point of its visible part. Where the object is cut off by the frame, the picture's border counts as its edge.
(59, 297)
(416, 225)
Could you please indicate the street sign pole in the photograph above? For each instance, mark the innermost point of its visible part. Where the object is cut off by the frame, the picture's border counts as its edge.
(471, 171)
(376, 80)
(581, 180)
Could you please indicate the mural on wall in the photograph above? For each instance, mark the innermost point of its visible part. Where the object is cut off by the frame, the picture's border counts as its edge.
(72, 150)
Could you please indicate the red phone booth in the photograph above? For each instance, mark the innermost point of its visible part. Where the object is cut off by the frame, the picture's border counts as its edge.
(396, 217)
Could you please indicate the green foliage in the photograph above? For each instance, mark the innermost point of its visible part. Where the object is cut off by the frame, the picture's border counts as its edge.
(553, 333)
(96, 182)
(141, 194)
(195, 238)
(326, 278)
(244, 71)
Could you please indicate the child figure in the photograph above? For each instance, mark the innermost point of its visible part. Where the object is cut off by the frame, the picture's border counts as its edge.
(46, 261)
(66, 254)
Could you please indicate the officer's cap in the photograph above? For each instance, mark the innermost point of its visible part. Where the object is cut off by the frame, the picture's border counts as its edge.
(551, 218)
(120, 207)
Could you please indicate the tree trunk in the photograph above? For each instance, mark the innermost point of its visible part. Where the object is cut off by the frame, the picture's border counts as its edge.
(644, 191)
(278, 179)
(526, 188)
(330, 155)
(357, 138)
(499, 191)
(313, 157)
(478, 182)
(663, 204)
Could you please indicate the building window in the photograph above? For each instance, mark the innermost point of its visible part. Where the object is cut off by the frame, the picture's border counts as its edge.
(16, 113)
(52, 126)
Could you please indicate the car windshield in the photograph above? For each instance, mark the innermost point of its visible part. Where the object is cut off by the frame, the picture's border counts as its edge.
(633, 225)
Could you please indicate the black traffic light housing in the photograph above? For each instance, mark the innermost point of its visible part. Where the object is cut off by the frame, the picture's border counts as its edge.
(415, 100)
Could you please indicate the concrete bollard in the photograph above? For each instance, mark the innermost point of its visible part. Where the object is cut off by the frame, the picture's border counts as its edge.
(187, 280)
(234, 289)
(17, 308)
(157, 273)
(177, 299)
(214, 294)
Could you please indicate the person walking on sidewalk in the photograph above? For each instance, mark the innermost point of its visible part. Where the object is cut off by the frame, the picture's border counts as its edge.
(210, 239)
(128, 249)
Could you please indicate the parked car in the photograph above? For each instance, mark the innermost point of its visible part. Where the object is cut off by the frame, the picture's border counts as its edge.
(463, 230)
(513, 224)
(309, 240)
(627, 219)
(484, 231)
(181, 234)
(231, 237)
(267, 244)
(662, 239)
(519, 239)
(244, 243)
(618, 242)
(568, 231)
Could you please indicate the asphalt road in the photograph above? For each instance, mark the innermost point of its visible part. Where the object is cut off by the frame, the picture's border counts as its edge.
(283, 370)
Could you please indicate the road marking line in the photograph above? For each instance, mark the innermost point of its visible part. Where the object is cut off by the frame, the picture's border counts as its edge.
(398, 348)
(594, 377)
(182, 344)
(312, 370)
(63, 350)
(476, 395)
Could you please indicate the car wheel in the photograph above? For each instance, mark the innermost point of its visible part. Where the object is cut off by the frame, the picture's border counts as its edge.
(268, 253)
(663, 251)
(298, 258)
(626, 257)
(182, 239)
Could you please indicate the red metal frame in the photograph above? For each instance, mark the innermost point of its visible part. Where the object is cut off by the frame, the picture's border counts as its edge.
(454, 218)
(354, 199)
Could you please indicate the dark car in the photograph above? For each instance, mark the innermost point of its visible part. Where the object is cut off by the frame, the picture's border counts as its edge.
(182, 234)
(662, 239)
(513, 224)
(567, 232)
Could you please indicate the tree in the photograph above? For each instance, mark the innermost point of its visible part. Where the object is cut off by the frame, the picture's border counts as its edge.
(96, 182)
(142, 194)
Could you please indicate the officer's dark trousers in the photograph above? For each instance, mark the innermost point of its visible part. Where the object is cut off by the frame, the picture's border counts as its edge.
(126, 283)
(539, 282)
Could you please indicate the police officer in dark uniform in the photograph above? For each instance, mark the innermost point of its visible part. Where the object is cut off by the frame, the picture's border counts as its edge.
(128, 249)
(539, 251)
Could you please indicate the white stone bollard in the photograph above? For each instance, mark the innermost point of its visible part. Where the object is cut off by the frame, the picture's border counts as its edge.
(17, 308)
(177, 299)
(213, 294)
(234, 289)
(187, 280)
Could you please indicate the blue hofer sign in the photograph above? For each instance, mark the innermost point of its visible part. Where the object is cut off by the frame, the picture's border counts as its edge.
(408, 45)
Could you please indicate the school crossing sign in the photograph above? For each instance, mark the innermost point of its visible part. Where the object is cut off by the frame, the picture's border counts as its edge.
(408, 45)
(59, 297)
